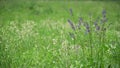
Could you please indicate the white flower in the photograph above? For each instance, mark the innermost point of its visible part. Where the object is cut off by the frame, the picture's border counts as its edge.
(113, 46)
(54, 41)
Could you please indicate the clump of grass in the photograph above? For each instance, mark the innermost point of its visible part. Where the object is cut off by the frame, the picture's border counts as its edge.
(94, 33)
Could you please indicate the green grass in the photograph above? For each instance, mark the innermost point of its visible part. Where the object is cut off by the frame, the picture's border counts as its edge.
(35, 34)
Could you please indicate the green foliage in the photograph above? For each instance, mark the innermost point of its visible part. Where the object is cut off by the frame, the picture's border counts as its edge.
(35, 34)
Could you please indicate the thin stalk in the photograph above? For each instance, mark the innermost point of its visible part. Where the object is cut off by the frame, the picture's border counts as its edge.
(90, 40)
(90, 37)
(102, 42)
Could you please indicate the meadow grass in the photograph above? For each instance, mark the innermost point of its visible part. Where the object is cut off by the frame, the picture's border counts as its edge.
(59, 34)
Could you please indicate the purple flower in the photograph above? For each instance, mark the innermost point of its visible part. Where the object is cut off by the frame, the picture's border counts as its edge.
(96, 22)
(87, 28)
(104, 16)
(104, 20)
(104, 13)
(71, 24)
(97, 28)
(80, 22)
(80, 19)
(71, 11)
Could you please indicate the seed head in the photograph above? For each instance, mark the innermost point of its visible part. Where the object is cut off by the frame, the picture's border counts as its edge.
(71, 24)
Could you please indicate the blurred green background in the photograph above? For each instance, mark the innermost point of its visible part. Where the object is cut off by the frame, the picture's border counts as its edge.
(34, 33)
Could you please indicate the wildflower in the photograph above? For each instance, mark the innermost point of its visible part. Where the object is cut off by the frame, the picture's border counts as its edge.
(87, 28)
(71, 12)
(97, 28)
(54, 41)
(65, 42)
(71, 24)
(76, 48)
(113, 46)
(104, 13)
(72, 35)
(80, 22)
(104, 16)
(96, 22)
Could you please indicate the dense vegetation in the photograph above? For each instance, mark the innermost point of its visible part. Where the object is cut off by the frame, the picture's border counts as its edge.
(59, 34)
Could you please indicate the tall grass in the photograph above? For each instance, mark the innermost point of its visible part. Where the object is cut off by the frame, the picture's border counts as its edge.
(98, 41)
(38, 35)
